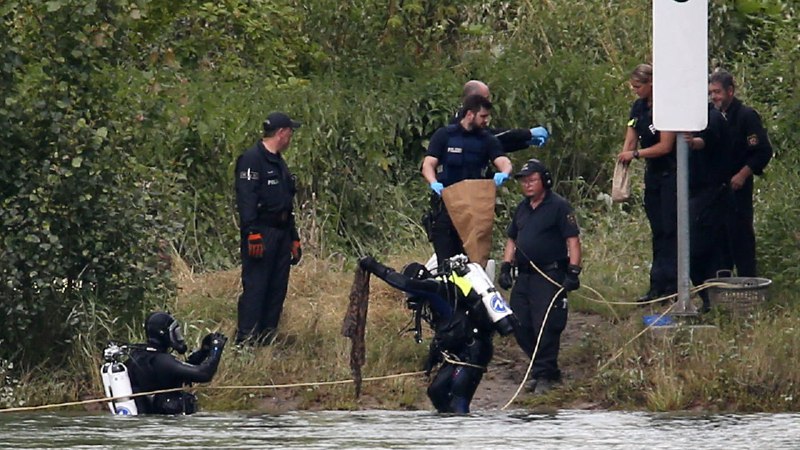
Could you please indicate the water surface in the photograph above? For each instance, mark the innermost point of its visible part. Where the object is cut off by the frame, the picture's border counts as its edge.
(341, 430)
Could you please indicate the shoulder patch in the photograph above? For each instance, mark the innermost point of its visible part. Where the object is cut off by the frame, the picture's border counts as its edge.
(632, 122)
(572, 219)
(248, 175)
(752, 140)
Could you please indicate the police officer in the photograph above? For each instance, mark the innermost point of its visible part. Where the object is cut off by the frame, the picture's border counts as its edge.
(265, 190)
(543, 242)
(750, 152)
(660, 183)
(152, 368)
(513, 139)
(460, 152)
(462, 328)
(710, 199)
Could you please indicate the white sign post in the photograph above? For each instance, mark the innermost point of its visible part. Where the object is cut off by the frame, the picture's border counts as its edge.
(680, 101)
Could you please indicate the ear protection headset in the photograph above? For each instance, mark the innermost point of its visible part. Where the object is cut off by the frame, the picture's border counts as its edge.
(534, 165)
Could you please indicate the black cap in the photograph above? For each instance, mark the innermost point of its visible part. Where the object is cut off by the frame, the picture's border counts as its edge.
(277, 120)
(533, 165)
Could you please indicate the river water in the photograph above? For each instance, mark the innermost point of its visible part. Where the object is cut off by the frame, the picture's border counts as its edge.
(566, 429)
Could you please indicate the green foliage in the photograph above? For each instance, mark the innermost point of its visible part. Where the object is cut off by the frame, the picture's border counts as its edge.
(79, 216)
(122, 120)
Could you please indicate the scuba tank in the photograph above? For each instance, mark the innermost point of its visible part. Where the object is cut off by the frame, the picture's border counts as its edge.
(497, 309)
(117, 383)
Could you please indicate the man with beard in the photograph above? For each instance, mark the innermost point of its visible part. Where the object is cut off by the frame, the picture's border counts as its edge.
(460, 152)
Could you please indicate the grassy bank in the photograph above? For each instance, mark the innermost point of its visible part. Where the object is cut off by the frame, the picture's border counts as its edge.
(742, 365)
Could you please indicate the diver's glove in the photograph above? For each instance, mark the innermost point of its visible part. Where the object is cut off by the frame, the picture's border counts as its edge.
(571, 281)
(371, 265)
(255, 245)
(437, 187)
(505, 280)
(297, 252)
(500, 178)
(205, 345)
(539, 136)
(217, 343)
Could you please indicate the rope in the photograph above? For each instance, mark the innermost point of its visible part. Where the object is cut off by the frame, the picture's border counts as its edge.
(621, 349)
(162, 391)
(452, 359)
(535, 351)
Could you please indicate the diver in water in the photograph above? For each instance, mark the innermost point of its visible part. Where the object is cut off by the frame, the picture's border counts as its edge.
(464, 309)
(152, 367)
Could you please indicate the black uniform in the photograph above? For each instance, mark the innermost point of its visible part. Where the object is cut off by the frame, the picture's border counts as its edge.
(462, 330)
(750, 147)
(710, 200)
(512, 139)
(660, 202)
(540, 236)
(462, 155)
(265, 190)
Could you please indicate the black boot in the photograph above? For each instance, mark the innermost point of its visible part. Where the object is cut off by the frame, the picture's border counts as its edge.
(650, 295)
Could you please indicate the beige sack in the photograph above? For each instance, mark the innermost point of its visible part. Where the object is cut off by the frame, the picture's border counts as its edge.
(621, 186)
(470, 204)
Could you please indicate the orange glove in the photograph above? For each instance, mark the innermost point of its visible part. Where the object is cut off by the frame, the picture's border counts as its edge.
(255, 245)
(297, 252)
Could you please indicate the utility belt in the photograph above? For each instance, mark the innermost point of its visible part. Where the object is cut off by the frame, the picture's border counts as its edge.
(527, 268)
(275, 220)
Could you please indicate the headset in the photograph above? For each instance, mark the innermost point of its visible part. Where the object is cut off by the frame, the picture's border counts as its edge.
(534, 165)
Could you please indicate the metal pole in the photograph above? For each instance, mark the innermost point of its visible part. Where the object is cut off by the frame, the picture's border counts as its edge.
(684, 306)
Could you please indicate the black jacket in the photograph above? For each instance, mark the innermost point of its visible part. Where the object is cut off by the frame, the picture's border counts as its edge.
(751, 144)
(265, 190)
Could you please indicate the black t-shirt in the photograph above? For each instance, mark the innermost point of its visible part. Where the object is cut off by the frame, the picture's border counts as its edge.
(641, 120)
(541, 234)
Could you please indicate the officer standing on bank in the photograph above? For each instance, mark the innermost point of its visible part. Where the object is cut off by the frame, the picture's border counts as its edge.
(460, 152)
(710, 200)
(658, 149)
(751, 152)
(543, 239)
(543, 236)
(265, 190)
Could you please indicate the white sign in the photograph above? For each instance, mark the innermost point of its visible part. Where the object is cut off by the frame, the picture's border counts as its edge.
(680, 65)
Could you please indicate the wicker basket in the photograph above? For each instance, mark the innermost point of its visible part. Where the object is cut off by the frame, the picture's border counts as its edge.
(739, 295)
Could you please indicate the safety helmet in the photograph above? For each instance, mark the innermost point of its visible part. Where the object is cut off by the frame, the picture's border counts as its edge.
(163, 331)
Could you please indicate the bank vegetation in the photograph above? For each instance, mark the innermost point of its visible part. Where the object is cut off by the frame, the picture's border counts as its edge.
(122, 119)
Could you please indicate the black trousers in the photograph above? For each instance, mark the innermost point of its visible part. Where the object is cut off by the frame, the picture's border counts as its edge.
(741, 233)
(661, 207)
(530, 297)
(264, 281)
(708, 208)
(446, 241)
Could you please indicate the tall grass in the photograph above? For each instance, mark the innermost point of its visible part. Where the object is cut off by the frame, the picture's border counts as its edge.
(744, 364)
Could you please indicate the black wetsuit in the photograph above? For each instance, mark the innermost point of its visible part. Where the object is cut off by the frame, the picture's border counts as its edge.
(151, 369)
(462, 335)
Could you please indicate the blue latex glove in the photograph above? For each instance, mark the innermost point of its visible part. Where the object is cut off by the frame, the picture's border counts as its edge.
(437, 187)
(500, 178)
(539, 136)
